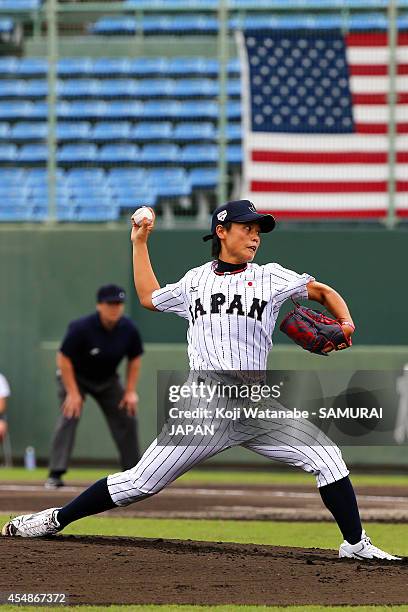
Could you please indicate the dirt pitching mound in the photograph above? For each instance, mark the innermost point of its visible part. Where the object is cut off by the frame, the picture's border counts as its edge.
(102, 571)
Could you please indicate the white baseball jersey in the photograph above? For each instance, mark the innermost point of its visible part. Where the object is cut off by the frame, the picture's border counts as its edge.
(4, 386)
(231, 320)
(232, 315)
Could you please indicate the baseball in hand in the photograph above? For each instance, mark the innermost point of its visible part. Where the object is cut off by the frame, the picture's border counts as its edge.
(142, 213)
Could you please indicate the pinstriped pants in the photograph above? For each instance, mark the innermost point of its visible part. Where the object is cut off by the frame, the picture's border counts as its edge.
(294, 442)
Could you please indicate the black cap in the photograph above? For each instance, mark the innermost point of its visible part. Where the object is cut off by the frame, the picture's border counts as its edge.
(240, 211)
(110, 294)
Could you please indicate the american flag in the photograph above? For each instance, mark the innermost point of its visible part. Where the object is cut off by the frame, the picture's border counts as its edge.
(316, 114)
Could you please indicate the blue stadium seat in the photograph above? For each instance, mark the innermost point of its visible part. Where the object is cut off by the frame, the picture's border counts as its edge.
(118, 153)
(8, 152)
(39, 176)
(168, 183)
(89, 199)
(134, 196)
(15, 192)
(117, 88)
(148, 66)
(15, 109)
(79, 189)
(12, 176)
(39, 193)
(11, 88)
(81, 110)
(234, 66)
(113, 25)
(104, 66)
(204, 178)
(15, 213)
(34, 88)
(182, 24)
(78, 88)
(98, 213)
(233, 110)
(80, 130)
(234, 131)
(149, 88)
(160, 130)
(104, 131)
(194, 131)
(162, 110)
(188, 66)
(75, 153)
(20, 5)
(198, 110)
(159, 154)
(5, 131)
(199, 154)
(33, 153)
(31, 66)
(166, 175)
(72, 66)
(126, 176)
(119, 110)
(24, 131)
(81, 175)
(8, 65)
(189, 88)
(234, 154)
(234, 88)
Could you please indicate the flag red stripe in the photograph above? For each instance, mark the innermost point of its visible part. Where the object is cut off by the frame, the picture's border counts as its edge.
(378, 98)
(320, 186)
(375, 69)
(332, 157)
(329, 213)
(325, 186)
(376, 39)
(379, 128)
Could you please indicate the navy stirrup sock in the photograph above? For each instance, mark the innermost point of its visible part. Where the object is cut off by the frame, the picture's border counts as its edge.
(340, 499)
(93, 500)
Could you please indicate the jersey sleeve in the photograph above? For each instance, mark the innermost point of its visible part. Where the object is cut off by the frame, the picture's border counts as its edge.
(72, 341)
(289, 284)
(171, 298)
(4, 387)
(135, 344)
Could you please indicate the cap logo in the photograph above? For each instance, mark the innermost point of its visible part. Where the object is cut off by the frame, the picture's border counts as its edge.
(222, 215)
(252, 208)
(122, 294)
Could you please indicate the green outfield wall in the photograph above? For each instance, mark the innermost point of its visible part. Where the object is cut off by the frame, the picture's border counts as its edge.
(49, 277)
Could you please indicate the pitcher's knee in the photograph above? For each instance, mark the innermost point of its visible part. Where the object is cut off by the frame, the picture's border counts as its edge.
(128, 487)
(330, 471)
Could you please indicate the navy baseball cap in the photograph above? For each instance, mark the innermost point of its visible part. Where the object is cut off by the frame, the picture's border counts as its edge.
(111, 294)
(240, 211)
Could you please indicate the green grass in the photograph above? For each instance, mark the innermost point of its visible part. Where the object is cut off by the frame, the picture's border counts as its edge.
(308, 535)
(209, 477)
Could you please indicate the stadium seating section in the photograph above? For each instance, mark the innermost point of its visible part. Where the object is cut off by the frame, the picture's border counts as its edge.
(137, 130)
(150, 134)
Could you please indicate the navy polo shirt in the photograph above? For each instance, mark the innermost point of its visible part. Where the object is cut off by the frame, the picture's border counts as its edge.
(96, 351)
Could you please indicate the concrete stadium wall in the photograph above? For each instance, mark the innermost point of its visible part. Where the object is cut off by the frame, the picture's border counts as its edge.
(49, 277)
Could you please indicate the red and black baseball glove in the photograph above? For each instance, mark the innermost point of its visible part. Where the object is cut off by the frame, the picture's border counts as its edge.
(314, 331)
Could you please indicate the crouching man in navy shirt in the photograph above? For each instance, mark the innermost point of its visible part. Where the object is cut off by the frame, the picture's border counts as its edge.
(87, 362)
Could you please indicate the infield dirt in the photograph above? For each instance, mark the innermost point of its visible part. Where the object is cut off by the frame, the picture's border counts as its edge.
(104, 570)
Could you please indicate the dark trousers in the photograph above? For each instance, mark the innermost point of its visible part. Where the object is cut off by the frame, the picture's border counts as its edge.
(122, 426)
